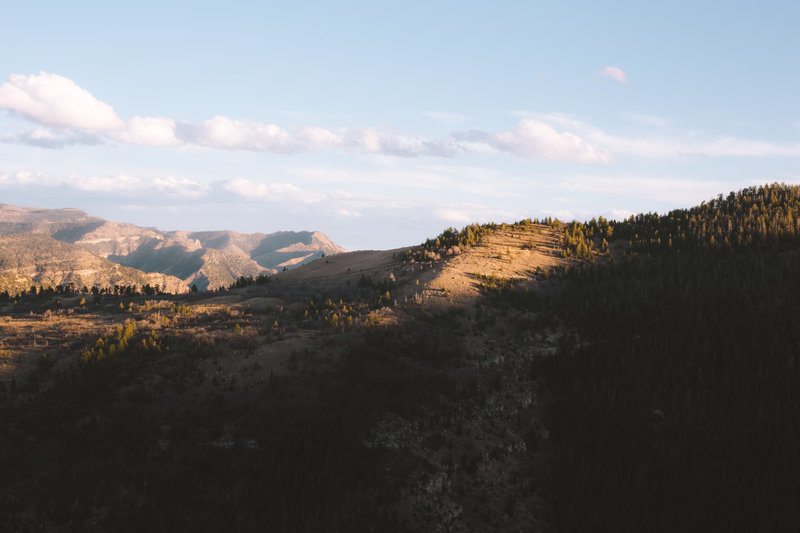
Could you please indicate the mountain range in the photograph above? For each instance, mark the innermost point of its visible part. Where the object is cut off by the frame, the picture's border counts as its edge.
(56, 246)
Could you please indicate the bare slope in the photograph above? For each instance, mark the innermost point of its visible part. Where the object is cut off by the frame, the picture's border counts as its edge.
(507, 253)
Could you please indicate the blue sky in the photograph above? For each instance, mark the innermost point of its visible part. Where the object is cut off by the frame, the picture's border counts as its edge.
(382, 124)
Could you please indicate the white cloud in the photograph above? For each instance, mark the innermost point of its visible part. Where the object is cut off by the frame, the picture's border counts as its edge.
(70, 115)
(228, 134)
(149, 131)
(615, 73)
(53, 100)
(56, 101)
(120, 183)
(273, 192)
(376, 142)
(373, 141)
(536, 139)
(533, 138)
(316, 137)
(663, 147)
(178, 187)
(24, 178)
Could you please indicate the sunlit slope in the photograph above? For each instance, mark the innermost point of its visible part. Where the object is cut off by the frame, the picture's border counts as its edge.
(208, 259)
(36, 259)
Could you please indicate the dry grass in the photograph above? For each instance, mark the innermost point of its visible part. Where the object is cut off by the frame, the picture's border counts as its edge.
(508, 253)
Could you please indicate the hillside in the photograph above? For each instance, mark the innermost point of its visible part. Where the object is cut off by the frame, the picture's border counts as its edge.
(36, 259)
(318, 343)
(635, 375)
(677, 393)
(209, 259)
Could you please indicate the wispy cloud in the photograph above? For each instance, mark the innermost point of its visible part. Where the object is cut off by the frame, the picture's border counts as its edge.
(615, 73)
(43, 138)
(279, 201)
(661, 146)
(272, 192)
(124, 186)
(25, 178)
(121, 185)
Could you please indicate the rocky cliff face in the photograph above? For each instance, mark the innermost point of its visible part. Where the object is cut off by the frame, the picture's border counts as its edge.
(37, 259)
(208, 259)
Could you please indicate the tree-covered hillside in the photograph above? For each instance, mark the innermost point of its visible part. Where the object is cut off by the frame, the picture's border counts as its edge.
(677, 399)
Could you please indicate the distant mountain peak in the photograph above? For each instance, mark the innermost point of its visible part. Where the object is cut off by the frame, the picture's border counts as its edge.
(209, 259)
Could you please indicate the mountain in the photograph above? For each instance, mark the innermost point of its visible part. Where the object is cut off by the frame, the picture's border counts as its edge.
(28, 259)
(208, 259)
(535, 376)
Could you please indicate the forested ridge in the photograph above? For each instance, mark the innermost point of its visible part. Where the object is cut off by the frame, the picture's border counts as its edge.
(677, 396)
(754, 219)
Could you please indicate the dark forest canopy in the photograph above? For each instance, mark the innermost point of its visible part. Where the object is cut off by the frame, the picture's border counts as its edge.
(677, 401)
(756, 218)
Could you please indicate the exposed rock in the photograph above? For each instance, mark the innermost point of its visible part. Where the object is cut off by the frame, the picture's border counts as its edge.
(208, 259)
(35, 259)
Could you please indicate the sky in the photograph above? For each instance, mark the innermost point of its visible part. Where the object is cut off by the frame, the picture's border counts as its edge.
(381, 124)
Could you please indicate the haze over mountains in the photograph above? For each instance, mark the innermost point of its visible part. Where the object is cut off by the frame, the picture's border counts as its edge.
(55, 246)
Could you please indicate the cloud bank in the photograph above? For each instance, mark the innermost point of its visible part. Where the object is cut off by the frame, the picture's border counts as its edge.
(67, 115)
(75, 116)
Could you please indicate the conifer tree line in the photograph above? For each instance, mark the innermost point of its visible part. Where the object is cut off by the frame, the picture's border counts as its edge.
(69, 289)
(753, 219)
(677, 389)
